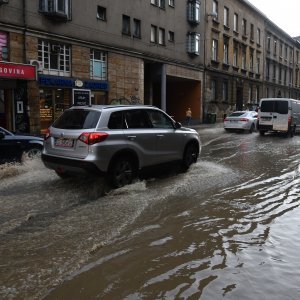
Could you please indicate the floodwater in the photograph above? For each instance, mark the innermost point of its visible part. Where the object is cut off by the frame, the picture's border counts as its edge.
(226, 229)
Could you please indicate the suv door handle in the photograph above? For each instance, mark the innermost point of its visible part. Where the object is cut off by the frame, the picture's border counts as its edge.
(274, 117)
(131, 137)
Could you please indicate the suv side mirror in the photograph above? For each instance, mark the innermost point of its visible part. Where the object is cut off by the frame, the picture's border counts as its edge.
(2, 135)
(178, 125)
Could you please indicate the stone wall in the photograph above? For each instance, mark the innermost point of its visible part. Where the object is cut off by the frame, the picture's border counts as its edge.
(125, 77)
(80, 62)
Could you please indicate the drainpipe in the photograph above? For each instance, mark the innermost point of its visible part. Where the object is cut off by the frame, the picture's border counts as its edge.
(163, 88)
(24, 32)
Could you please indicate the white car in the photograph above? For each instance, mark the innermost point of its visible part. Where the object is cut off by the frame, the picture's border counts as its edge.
(241, 120)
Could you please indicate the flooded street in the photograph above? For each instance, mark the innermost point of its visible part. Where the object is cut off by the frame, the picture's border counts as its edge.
(226, 229)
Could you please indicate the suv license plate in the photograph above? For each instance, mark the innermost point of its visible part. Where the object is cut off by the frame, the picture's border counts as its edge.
(64, 143)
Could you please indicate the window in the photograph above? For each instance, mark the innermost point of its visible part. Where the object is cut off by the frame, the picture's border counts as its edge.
(236, 22)
(258, 36)
(171, 36)
(137, 119)
(225, 51)
(214, 50)
(161, 36)
(251, 62)
(213, 90)
(126, 25)
(225, 91)
(55, 58)
(101, 13)
(159, 3)
(98, 65)
(252, 32)
(193, 43)
(268, 70)
(215, 8)
(275, 47)
(193, 11)
(226, 16)
(3, 46)
(235, 55)
(137, 28)
(244, 58)
(244, 26)
(172, 3)
(153, 37)
(257, 64)
(280, 50)
(57, 8)
(268, 43)
(159, 120)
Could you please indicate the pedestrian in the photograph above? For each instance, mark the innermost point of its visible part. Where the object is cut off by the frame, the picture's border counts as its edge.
(188, 116)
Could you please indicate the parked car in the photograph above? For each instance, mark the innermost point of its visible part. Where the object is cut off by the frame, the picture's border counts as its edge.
(279, 115)
(241, 120)
(13, 147)
(117, 141)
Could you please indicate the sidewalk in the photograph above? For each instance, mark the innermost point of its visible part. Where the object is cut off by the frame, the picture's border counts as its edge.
(205, 125)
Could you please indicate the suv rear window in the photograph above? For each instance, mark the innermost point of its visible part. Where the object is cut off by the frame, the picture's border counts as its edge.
(77, 119)
(280, 107)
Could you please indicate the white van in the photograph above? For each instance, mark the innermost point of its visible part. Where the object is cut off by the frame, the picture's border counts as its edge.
(279, 115)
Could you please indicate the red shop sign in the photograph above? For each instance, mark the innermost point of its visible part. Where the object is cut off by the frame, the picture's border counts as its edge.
(17, 71)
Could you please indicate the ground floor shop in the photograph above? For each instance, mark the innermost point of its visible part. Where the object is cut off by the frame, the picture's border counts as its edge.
(13, 95)
(57, 94)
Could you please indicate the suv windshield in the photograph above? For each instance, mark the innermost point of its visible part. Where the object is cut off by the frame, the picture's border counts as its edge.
(276, 106)
(77, 119)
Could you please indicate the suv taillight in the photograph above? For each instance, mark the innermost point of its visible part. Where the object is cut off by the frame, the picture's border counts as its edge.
(91, 138)
(47, 134)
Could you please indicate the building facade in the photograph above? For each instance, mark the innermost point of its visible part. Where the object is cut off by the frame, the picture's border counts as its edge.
(247, 57)
(108, 53)
(208, 55)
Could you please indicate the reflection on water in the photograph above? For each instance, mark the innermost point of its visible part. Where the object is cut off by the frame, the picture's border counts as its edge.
(228, 228)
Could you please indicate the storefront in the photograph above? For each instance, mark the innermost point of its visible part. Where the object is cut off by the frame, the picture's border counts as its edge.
(56, 95)
(13, 95)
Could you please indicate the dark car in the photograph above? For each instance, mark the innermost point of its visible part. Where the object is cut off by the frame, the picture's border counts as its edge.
(13, 147)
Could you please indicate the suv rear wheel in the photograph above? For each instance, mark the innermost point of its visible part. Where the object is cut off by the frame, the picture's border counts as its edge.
(122, 172)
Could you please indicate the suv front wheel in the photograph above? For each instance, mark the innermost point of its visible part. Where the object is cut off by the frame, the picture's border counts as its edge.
(122, 172)
(190, 156)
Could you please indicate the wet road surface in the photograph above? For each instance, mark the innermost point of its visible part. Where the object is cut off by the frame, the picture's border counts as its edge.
(226, 229)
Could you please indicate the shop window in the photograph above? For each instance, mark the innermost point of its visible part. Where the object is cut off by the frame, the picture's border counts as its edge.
(98, 65)
(52, 104)
(3, 46)
(55, 58)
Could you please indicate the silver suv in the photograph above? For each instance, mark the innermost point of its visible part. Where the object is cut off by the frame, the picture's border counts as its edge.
(117, 141)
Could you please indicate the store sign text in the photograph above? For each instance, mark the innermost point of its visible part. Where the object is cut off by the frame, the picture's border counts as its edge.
(17, 71)
(71, 83)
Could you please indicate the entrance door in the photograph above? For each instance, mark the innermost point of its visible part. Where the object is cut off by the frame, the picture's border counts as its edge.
(2, 110)
(239, 98)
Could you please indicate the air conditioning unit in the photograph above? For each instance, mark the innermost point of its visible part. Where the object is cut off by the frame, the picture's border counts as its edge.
(3, 2)
(38, 64)
(55, 48)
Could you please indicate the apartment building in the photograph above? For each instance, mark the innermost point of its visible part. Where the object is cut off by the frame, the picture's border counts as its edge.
(97, 52)
(213, 56)
(235, 54)
(282, 63)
